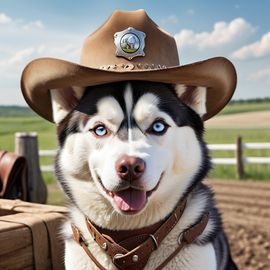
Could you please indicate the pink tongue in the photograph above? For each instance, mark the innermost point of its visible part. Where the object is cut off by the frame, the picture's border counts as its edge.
(130, 199)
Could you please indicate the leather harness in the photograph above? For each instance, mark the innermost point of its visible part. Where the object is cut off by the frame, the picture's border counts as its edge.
(131, 249)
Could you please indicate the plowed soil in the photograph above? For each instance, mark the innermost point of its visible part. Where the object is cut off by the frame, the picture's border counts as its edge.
(245, 207)
(241, 120)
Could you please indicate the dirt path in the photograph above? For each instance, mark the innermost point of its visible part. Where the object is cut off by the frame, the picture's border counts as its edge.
(245, 208)
(241, 120)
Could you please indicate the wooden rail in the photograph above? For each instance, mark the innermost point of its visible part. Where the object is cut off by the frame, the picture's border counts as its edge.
(26, 144)
(239, 159)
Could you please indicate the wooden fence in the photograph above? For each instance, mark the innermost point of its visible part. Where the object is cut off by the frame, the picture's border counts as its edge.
(239, 158)
(27, 145)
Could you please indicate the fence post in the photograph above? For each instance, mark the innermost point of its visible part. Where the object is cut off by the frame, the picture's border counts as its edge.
(26, 144)
(239, 158)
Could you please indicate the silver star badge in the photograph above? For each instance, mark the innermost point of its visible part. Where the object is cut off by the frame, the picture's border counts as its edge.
(129, 43)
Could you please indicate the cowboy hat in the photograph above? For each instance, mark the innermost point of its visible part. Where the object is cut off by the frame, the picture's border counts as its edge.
(128, 46)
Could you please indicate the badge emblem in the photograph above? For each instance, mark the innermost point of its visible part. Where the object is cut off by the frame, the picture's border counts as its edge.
(129, 43)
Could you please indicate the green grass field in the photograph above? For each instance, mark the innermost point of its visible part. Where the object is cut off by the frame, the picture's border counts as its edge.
(12, 123)
(235, 107)
(226, 136)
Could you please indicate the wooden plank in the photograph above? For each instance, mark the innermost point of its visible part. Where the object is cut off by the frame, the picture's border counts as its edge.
(29, 238)
(257, 160)
(221, 147)
(224, 161)
(7, 226)
(14, 239)
(18, 259)
(47, 153)
(5, 212)
(47, 168)
(256, 145)
(26, 207)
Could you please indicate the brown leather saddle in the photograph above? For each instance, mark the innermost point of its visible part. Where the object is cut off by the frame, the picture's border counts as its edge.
(13, 176)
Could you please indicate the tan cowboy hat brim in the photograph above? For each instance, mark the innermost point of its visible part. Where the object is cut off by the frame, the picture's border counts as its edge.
(217, 74)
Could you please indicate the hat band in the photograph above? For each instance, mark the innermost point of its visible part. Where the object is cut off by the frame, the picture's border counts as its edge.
(131, 66)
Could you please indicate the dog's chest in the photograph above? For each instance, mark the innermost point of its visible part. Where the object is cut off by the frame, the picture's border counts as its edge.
(191, 257)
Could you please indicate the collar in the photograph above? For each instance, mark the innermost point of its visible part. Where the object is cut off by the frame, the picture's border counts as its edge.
(131, 249)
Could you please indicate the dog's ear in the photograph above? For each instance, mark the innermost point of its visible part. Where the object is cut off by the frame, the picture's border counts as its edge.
(64, 100)
(193, 96)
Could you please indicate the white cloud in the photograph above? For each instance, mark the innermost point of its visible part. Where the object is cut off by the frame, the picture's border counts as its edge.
(4, 18)
(9, 24)
(36, 24)
(172, 19)
(222, 34)
(17, 57)
(24, 40)
(68, 51)
(261, 75)
(257, 49)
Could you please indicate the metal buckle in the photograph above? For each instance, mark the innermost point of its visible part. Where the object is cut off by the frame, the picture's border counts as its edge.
(180, 238)
(154, 240)
(117, 256)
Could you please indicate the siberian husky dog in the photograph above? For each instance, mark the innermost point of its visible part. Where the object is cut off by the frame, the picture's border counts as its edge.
(128, 153)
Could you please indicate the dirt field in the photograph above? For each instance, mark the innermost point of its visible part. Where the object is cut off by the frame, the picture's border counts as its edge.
(246, 214)
(241, 120)
(245, 207)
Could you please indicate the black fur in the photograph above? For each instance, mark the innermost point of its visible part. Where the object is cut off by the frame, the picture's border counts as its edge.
(169, 103)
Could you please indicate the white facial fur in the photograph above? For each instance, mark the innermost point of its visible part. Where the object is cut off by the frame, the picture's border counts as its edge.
(149, 148)
(176, 155)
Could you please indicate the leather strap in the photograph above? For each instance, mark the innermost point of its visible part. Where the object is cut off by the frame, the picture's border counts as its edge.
(185, 238)
(135, 256)
(79, 239)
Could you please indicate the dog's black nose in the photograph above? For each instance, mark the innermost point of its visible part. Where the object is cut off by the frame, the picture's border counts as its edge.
(130, 168)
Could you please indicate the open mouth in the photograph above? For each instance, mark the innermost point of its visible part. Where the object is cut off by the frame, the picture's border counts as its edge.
(130, 200)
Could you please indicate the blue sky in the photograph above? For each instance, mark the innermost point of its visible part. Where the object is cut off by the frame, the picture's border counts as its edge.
(238, 30)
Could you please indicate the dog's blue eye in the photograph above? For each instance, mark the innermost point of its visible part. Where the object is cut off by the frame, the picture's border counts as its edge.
(158, 127)
(100, 130)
